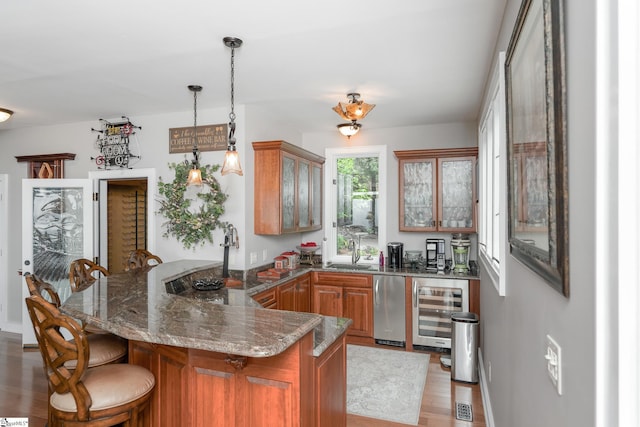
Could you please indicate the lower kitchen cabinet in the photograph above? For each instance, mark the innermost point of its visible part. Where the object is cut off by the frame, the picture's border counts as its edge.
(268, 298)
(295, 295)
(345, 295)
(208, 389)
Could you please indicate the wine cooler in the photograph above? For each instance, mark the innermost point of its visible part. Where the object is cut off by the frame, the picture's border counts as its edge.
(434, 300)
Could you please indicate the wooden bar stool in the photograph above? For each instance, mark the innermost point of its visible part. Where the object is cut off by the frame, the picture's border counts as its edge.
(103, 396)
(141, 258)
(81, 273)
(105, 347)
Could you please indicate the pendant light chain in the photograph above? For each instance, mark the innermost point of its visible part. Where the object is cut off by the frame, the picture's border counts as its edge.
(232, 115)
(195, 119)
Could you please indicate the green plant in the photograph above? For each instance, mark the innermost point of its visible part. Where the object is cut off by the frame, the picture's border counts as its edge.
(191, 228)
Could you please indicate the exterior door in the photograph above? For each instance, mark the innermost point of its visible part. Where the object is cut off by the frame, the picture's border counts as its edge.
(57, 227)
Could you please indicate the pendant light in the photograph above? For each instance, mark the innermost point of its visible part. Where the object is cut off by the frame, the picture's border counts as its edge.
(231, 160)
(195, 176)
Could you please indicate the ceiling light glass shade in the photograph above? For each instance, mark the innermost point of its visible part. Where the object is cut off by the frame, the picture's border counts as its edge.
(195, 177)
(355, 109)
(349, 129)
(5, 114)
(231, 162)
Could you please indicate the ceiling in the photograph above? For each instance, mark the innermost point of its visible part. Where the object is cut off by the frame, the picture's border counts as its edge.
(419, 61)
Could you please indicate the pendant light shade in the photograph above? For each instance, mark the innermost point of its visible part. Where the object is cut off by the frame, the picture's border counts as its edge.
(195, 176)
(231, 163)
(231, 160)
(349, 129)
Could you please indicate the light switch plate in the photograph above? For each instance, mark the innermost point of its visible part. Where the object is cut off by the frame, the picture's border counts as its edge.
(553, 356)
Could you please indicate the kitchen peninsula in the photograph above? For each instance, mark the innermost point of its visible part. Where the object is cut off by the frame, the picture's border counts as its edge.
(219, 358)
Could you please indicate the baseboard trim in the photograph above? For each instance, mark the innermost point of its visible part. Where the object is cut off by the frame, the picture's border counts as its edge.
(13, 327)
(484, 391)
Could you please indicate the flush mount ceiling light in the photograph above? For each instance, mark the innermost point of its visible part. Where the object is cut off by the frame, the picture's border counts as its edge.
(195, 176)
(352, 111)
(231, 160)
(5, 114)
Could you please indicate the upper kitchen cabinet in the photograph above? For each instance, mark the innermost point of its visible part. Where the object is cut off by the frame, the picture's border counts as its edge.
(438, 189)
(288, 188)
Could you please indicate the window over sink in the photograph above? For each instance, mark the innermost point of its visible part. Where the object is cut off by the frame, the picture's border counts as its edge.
(355, 202)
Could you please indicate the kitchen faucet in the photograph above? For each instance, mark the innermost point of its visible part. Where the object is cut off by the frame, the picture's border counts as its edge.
(355, 250)
(230, 239)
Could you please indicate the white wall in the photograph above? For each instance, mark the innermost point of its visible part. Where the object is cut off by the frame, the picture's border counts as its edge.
(514, 327)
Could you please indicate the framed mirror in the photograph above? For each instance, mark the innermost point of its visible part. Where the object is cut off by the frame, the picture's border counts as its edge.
(536, 136)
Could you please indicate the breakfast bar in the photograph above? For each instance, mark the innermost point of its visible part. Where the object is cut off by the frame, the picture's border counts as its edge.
(219, 358)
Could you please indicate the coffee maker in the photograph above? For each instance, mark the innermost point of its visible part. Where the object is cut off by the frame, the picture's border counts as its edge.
(394, 257)
(435, 254)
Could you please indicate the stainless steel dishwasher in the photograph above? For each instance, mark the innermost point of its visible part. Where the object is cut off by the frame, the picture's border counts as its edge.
(389, 310)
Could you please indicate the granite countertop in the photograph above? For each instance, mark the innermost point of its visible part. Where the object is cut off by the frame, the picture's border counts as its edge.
(159, 305)
(145, 305)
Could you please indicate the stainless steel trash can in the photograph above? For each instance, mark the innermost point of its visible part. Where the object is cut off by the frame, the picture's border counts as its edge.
(464, 347)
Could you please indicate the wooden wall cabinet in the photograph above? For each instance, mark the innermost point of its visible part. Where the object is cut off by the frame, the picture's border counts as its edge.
(345, 295)
(437, 190)
(287, 188)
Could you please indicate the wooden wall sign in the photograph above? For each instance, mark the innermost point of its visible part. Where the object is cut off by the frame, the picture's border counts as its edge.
(210, 138)
(46, 165)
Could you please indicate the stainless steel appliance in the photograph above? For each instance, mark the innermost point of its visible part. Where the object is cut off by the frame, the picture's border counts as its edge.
(395, 251)
(389, 310)
(435, 254)
(434, 300)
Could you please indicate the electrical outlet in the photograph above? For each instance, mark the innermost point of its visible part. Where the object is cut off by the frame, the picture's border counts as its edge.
(264, 254)
(253, 257)
(554, 363)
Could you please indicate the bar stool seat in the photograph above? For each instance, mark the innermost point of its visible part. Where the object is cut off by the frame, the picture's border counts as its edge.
(105, 349)
(109, 386)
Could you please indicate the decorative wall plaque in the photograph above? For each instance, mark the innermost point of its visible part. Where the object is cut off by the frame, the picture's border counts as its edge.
(210, 138)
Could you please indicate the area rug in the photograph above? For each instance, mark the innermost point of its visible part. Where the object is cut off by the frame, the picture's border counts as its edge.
(385, 384)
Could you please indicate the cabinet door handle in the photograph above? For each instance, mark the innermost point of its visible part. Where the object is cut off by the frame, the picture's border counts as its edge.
(238, 362)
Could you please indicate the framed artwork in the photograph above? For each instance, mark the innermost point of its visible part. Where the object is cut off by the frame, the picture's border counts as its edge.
(536, 142)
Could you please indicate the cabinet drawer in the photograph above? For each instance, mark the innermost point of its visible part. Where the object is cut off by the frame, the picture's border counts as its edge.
(267, 298)
(349, 279)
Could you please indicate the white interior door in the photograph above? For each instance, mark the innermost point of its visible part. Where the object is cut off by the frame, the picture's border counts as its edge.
(57, 228)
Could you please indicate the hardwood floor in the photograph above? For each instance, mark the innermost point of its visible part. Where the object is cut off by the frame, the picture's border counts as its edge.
(23, 391)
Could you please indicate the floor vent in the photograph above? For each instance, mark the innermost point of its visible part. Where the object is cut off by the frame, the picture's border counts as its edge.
(463, 411)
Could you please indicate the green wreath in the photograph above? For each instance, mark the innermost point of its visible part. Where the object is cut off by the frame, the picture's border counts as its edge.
(188, 227)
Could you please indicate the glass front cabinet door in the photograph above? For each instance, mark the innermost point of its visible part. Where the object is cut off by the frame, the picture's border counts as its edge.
(287, 188)
(437, 190)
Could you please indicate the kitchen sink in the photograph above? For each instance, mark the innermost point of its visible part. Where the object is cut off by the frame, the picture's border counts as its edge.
(350, 266)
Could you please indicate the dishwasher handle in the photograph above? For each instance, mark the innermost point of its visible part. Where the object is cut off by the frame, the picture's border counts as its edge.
(376, 298)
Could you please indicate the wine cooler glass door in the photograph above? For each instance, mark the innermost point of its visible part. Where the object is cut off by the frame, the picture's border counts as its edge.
(434, 300)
